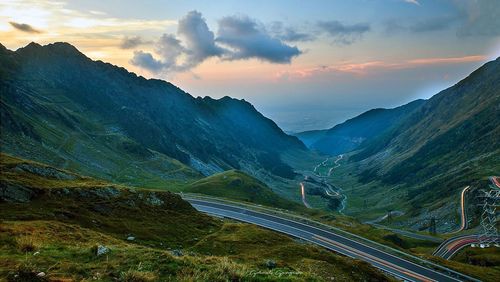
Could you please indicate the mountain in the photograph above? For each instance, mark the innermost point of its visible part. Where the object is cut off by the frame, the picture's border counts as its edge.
(449, 142)
(60, 107)
(348, 135)
(455, 133)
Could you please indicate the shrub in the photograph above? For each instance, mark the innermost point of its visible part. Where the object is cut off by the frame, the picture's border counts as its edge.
(26, 244)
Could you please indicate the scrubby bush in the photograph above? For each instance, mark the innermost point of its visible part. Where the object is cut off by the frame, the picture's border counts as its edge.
(26, 244)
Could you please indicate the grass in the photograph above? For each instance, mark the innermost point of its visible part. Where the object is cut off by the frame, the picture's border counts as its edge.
(237, 185)
(481, 263)
(373, 199)
(56, 231)
(65, 253)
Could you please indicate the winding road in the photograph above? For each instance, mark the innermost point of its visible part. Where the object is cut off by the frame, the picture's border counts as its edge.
(464, 224)
(451, 246)
(389, 263)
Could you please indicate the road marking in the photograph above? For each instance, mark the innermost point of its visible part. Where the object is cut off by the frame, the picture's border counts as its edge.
(383, 262)
(328, 232)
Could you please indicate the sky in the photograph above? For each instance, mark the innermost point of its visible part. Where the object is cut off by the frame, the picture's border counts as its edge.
(305, 64)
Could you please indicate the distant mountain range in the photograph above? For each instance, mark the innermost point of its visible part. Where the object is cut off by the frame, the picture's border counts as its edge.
(349, 135)
(60, 107)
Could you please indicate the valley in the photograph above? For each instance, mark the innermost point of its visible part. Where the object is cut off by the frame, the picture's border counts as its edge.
(212, 190)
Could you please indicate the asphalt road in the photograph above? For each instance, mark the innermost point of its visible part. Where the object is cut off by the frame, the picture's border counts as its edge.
(451, 246)
(394, 265)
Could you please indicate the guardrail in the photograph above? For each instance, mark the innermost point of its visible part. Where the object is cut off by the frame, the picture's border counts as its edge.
(290, 215)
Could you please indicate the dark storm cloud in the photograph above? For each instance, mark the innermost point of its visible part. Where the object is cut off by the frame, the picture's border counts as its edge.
(238, 38)
(24, 27)
(248, 40)
(343, 33)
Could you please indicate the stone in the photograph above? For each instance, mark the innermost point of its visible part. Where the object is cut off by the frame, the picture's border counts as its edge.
(270, 264)
(102, 250)
(16, 193)
(154, 200)
(177, 253)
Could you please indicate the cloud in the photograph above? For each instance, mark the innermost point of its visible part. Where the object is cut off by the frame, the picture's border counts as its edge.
(248, 40)
(447, 60)
(146, 61)
(376, 66)
(469, 18)
(170, 49)
(290, 34)
(344, 34)
(415, 2)
(131, 42)
(433, 24)
(199, 40)
(480, 18)
(24, 27)
(422, 26)
(238, 38)
(193, 44)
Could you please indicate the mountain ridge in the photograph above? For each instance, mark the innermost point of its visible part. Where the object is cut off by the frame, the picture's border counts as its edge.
(448, 143)
(350, 134)
(55, 95)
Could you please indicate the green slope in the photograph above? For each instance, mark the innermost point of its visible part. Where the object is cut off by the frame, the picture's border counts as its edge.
(421, 165)
(53, 220)
(237, 185)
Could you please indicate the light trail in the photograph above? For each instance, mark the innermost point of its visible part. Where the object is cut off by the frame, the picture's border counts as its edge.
(303, 192)
(464, 217)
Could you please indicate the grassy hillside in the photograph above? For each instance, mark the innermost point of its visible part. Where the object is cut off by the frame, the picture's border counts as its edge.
(31, 191)
(53, 221)
(481, 263)
(237, 185)
(420, 166)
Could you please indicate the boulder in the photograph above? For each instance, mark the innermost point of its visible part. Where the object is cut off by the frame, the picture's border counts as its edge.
(102, 250)
(270, 264)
